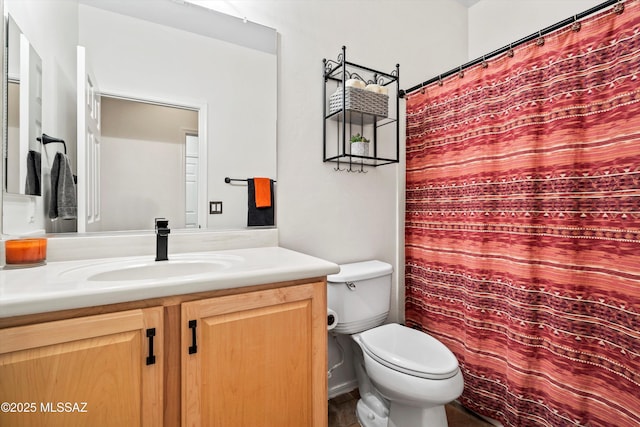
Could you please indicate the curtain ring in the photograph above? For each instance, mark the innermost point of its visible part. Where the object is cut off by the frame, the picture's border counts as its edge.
(619, 7)
(461, 73)
(485, 64)
(540, 40)
(510, 53)
(440, 80)
(576, 24)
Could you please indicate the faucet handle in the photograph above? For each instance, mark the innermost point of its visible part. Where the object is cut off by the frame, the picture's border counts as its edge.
(162, 223)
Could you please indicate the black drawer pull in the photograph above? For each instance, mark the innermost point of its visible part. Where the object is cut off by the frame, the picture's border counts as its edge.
(194, 346)
(151, 358)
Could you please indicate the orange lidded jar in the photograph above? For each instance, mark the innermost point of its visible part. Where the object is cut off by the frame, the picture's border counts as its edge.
(25, 251)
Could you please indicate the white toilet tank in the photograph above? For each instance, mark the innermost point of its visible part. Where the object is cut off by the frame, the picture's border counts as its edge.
(360, 294)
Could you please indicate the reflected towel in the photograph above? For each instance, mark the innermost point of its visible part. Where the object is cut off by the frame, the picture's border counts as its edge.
(63, 203)
(256, 216)
(263, 192)
(32, 184)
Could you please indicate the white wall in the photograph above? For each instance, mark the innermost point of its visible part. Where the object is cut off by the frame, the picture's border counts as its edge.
(55, 44)
(133, 194)
(496, 23)
(133, 191)
(340, 216)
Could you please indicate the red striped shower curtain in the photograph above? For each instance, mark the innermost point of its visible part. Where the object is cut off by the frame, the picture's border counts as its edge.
(523, 225)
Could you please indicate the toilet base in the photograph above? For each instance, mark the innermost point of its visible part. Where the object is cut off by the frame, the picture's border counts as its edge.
(411, 416)
(376, 410)
(402, 416)
(369, 418)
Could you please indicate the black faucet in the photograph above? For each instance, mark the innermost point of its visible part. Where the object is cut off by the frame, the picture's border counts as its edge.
(162, 239)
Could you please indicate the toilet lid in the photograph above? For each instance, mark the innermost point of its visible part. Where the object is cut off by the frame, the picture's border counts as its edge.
(410, 351)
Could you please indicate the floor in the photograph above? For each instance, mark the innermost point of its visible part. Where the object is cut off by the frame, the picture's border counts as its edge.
(342, 413)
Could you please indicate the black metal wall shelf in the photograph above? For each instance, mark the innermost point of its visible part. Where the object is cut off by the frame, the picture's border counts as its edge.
(372, 118)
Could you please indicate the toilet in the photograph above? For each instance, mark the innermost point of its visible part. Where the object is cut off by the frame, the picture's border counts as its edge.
(405, 377)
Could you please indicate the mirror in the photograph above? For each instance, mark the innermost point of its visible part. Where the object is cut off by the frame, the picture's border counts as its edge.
(174, 53)
(149, 160)
(23, 122)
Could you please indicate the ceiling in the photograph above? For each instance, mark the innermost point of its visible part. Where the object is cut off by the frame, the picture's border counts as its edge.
(468, 3)
(196, 19)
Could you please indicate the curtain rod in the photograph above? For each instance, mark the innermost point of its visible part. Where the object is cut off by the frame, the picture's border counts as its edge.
(523, 40)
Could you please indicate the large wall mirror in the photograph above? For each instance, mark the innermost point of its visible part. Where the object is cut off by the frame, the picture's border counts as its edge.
(181, 56)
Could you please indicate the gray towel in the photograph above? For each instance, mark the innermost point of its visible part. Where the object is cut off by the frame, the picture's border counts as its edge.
(32, 184)
(63, 189)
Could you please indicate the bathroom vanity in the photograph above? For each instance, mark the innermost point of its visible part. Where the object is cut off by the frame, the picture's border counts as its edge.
(242, 344)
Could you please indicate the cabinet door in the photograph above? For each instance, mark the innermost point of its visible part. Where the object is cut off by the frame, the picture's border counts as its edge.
(259, 359)
(89, 371)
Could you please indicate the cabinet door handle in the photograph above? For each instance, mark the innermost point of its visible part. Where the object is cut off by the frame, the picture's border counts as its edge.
(151, 358)
(194, 346)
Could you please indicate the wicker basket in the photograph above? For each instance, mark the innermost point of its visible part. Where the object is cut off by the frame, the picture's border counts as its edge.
(361, 100)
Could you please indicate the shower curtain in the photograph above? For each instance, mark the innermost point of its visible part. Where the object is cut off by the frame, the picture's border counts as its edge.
(523, 225)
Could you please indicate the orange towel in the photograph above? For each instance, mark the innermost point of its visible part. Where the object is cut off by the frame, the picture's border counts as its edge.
(263, 192)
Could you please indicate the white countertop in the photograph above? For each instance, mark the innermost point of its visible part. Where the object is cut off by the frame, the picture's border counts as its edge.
(56, 286)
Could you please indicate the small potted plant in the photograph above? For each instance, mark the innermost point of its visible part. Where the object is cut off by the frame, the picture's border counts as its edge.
(359, 145)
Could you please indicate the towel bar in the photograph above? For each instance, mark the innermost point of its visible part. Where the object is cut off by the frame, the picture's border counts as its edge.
(228, 180)
(46, 139)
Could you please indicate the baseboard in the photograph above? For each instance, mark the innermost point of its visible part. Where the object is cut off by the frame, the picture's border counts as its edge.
(343, 388)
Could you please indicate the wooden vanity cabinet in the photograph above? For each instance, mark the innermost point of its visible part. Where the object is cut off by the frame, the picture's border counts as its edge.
(98, 370)
(256, 359)
(240, 357)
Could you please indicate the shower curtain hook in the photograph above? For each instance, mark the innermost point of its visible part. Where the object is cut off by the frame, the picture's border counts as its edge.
(510, 53)
(619, 8)
(540, 41)
(576, 24)
(422, 88)
(440, 80)
(461, 73)
(485, 64)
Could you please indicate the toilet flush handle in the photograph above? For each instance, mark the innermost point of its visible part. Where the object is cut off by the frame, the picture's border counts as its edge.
(351, 286)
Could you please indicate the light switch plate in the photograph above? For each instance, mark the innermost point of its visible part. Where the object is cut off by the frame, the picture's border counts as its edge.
(215, 207)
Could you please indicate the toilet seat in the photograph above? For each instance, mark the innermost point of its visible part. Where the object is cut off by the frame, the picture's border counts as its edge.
(409, 351)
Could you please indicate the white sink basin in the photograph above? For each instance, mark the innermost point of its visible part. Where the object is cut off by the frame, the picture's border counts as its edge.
(183, 266)
(158, 270)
